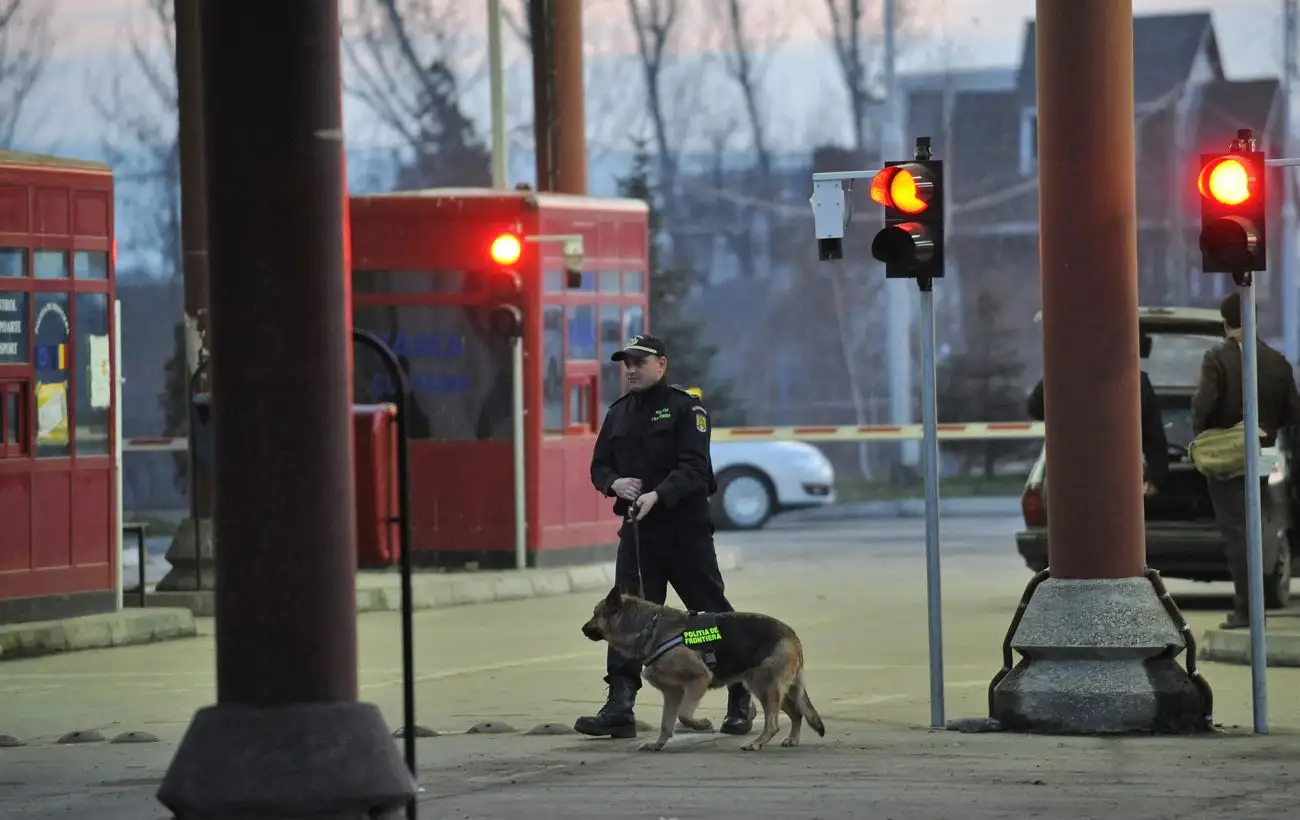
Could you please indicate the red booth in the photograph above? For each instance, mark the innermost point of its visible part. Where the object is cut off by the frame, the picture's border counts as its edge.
(57, 447)
(431, 273)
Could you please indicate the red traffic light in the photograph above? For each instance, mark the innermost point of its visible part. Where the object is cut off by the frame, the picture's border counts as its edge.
(1228, 180)
(506, 249)
(907, 188)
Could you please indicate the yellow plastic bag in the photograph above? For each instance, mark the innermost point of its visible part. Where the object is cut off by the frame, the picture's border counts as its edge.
(1221, 453)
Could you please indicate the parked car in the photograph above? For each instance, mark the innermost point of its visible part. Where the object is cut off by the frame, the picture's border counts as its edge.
(1182, 539)
(758, 479)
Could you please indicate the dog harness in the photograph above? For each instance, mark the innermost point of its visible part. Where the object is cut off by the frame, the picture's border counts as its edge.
(701, 634)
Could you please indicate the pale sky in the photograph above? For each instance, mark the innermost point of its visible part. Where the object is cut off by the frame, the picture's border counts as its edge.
(92, 41)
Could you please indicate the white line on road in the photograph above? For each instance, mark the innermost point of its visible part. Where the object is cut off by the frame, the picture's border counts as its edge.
(869, 700)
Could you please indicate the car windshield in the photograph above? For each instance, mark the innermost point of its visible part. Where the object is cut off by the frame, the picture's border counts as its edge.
(1175, 359)
(1178, 426)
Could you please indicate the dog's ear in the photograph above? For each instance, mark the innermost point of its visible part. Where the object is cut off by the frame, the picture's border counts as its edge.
(614, 599)
(632, 589)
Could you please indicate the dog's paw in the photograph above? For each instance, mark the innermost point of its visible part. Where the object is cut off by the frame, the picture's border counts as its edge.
(697, 724)
(751, 747)
(789, 741)
(651, 746)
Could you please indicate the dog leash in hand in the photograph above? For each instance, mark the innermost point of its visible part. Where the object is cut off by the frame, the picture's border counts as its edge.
(636, 548)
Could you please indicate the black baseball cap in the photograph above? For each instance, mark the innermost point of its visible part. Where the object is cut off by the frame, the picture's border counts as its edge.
(638, 347)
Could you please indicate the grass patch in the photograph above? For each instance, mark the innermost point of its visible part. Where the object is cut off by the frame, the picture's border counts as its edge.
(856, 489)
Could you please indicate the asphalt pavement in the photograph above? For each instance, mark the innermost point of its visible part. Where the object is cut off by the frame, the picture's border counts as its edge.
(855, 592)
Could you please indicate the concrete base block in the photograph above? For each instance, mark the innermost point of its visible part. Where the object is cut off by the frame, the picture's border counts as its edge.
(317, 761)
(192, 567)
(1098, 657)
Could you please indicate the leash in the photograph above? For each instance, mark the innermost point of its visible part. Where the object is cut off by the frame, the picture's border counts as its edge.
(636, 548)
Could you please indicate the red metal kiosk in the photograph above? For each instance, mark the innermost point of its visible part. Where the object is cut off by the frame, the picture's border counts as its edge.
(57, 442)
(435, 274)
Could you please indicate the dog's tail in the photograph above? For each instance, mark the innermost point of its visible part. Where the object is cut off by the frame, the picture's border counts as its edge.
(809, 711)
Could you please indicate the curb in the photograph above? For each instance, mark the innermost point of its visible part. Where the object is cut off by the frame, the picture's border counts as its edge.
(1233, 646)
(382, 592)
(988, 506)
(126, 628)
(485, 588)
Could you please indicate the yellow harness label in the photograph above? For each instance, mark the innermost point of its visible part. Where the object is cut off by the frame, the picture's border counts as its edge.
(692, 637)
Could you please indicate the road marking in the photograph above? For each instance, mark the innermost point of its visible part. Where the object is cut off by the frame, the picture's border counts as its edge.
(870, 700)
(475, 670)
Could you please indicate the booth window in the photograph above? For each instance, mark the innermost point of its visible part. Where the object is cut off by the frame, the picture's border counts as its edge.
(610, 282)
(633, 282)
(582, 333)
(586, 282)
(553, 281)
(13, 263)
(580, 393)
(93, 384)
(50, 264)
(13, 433)
(411, 281)
(90, 265)
(611, 339)
(553, 372)
(13, 328)
(458, 371)
(633, 322)
(52, 365)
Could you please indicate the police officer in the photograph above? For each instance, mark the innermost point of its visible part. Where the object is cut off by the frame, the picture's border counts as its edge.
(652, 455)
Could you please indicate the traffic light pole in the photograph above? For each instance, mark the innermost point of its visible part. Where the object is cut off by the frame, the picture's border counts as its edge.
(930, 467)
(1255, 532)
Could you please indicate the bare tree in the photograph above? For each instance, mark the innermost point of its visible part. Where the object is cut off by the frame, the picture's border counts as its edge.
(654, 23)
(25, 47)
(857, 38)
(405, 56)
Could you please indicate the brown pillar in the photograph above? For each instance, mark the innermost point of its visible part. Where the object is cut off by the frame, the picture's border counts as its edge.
(287, 737)
(540, 30)
(1088, 217)
(571, 126)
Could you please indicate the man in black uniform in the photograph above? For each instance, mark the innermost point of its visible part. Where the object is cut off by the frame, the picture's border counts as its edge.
(652, 454)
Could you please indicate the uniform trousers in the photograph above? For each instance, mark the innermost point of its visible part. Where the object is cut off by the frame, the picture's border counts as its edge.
(681, 556)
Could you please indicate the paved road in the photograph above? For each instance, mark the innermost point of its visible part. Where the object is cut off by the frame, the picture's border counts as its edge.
(854, 591)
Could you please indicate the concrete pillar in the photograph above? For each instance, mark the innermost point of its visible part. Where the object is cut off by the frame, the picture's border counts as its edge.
(569, 97)
(1095, 633)
(287, 737)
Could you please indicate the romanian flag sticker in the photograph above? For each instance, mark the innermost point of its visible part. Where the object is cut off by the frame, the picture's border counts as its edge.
(52, 357)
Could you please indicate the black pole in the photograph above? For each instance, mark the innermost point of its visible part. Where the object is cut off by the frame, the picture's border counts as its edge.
(398, 375)
(193, 447)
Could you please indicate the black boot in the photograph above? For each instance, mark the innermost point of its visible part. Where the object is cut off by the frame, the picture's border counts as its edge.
(740, 711)
(615, 718)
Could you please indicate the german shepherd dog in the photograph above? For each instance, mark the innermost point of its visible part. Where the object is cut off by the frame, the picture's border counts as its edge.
(757, 650)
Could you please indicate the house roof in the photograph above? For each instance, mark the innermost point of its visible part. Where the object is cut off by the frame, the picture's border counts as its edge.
(1164, 49)
(1227, 105)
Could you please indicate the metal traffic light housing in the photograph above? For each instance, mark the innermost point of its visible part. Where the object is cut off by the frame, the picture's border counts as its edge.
(911, 243)
(1233, 212)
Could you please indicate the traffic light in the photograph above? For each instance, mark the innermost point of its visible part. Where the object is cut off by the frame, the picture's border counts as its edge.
(505, 319)
(1233, 211)
(506, 249)
(911, 243)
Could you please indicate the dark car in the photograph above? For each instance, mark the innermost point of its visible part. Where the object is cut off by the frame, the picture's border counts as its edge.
(1182, 538)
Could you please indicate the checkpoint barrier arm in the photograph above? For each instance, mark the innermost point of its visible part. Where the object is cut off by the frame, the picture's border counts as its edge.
(973, 431)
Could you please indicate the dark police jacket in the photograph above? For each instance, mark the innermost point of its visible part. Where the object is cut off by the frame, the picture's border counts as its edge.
(1155, 445)
(661, 436)
(1217, 403)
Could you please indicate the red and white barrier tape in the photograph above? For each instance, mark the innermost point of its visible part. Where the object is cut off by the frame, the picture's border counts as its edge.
(974, 431)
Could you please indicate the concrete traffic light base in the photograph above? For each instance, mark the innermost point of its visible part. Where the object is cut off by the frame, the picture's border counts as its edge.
(1098, 657)
(311, 760)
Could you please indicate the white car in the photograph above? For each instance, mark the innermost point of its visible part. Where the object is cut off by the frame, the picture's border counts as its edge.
(757, 479)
